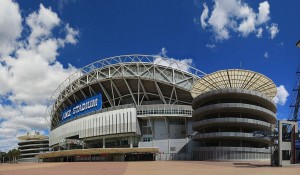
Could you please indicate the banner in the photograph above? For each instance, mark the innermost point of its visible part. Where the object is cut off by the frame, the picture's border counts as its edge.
(83, 107)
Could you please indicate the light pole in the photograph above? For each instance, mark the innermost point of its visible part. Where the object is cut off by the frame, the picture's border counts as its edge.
(297, 102)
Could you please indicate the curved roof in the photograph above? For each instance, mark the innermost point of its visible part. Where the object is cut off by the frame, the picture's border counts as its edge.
(33, 137)
(136, 58)
(235, 78)
(138, 78)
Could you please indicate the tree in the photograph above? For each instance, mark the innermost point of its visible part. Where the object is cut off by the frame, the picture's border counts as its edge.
(13, 155)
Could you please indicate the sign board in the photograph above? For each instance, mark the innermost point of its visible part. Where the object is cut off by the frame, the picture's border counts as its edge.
(83, 107)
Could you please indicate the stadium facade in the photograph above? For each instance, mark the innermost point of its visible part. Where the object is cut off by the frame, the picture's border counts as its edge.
(125, 107)
(31, 145)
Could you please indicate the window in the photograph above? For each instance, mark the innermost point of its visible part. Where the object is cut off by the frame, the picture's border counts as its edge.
(147, 139)
(286, 155)
(176, 122)
(146, 127)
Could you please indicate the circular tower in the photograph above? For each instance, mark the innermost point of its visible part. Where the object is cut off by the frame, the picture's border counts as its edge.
(229, 106)
(31, 145)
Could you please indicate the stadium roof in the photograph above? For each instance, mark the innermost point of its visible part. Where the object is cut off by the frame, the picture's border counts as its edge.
(235, 78)
(126, 79)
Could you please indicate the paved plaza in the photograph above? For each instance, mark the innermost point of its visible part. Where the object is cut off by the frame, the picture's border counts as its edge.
(147, 168)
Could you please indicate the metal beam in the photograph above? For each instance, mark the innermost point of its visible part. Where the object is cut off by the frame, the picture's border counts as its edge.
(117, 90)
(171, 95)
(160, 93)
(92, 92)
(85, 96)
(133, 98)
(143, 88)
(106, 94)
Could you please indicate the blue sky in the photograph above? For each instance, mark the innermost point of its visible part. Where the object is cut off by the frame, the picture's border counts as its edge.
(80, 32)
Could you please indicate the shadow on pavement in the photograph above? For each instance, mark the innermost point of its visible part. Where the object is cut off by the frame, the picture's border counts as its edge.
(250, 165)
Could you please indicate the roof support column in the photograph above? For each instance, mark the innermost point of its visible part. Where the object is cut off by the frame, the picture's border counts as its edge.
(106, 94)
(132, 96)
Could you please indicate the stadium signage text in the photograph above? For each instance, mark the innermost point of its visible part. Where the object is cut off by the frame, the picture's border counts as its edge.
(88, 105)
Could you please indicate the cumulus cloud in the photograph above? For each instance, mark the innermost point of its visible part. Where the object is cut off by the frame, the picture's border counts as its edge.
(30, 71)
(281, 95)
(266, 55)
(204, 15)
(11, 27)
(163, 59)
(211, 46)
(71, 35)
(229, 16)
(41, 24)
(273, 30)
(263, 12)
(259, 32)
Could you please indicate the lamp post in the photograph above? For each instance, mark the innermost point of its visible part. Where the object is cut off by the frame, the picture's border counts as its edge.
(297, 102)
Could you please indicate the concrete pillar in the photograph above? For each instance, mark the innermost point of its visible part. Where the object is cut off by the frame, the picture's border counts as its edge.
(279, 143)
(103, 142)
(130, 142)
(186, 136)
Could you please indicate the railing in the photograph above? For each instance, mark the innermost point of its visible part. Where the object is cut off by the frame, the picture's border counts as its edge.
(164, 109)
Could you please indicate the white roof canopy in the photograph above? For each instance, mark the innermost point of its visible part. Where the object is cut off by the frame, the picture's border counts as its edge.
(235, 78)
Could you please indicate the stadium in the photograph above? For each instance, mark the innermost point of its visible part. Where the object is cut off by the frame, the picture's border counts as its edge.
(142, 107)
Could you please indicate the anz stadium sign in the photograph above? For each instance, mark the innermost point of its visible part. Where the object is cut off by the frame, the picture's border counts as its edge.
(83, 107)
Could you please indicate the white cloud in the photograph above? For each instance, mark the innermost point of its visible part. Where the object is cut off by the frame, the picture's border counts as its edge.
(266, 55)
(163, 52)
(62, 3)
(163, 59)
(281, 95)
(30, 71)
(71, 35)
(229, 16)
(41, 24)
(10, 26)
(273, 30)
(204, 16)
(259, 32)
(263, 12)
(211, 46)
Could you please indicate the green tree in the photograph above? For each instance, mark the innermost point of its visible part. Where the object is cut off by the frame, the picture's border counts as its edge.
(13, 155)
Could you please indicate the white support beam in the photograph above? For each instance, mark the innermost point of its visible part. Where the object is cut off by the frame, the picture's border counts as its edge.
(133, 98)
(85, 96)
(160, 93)
(112, 92)
(92, 91)
(117, 90)
(171, 95)
(106, 94)
(139, 103)
(143, 88)
(176, 97)
(163, 74)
